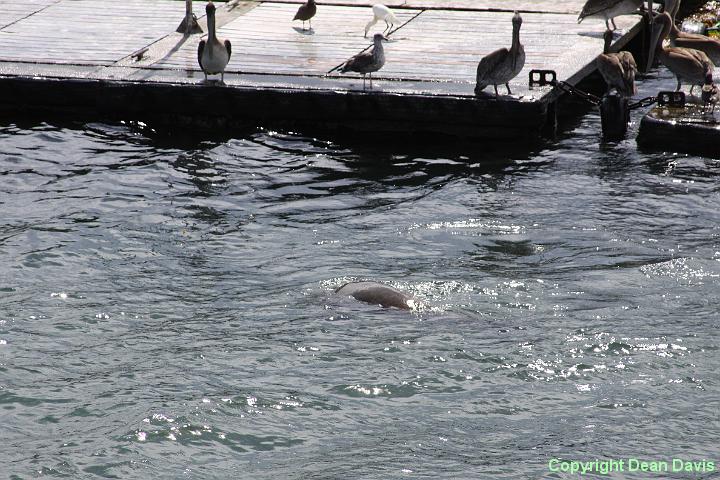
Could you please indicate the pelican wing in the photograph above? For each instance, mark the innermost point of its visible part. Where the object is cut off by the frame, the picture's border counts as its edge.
(701, 57)
(630, 87)
(611, 69)
(710, 46)
(201, 47)
(489, 65)
(627, 60)
(687, 64)
(629, 70)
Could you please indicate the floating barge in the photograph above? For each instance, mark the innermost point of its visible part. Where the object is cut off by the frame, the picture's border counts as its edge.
(124, 60)
(681, 126)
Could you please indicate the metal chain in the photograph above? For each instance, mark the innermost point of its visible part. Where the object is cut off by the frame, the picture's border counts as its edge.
(595, 100)
(540, 77)
(572, 90)
(645, 102)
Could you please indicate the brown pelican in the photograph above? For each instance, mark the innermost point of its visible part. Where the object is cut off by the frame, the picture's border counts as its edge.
(672, 7)
(608, 10)
(678, 38)
(367, 62)
(306, 12)
(381, 12)
(710, 46)
(502, 65)
(213, 55)
(618, 69)
(690, 65)
(378, 294)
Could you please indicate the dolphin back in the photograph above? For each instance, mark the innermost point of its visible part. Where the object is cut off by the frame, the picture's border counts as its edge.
(378, 294)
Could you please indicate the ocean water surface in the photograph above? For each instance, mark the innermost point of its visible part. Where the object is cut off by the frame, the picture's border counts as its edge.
(167, 307)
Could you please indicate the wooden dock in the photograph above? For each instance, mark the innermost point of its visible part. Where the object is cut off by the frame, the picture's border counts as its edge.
(124, 60)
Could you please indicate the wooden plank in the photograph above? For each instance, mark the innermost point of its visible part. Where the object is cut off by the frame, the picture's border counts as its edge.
(88, 31)
(266, 40)
(15, 11)
(537, 6)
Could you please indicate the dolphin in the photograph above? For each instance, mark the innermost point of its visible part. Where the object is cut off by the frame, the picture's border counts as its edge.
(378, 294)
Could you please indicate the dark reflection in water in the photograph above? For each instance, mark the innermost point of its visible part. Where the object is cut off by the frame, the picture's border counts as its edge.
(166, 304)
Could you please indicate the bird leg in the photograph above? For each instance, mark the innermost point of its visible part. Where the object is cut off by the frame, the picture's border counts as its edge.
(507, 85)
(370, 80)
(310, 22)
(222, 77)
(612, 20)
(607, 25)
(496, 92)
(677, 89)
(363, 81)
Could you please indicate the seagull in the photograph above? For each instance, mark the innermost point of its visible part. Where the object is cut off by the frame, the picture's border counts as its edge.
(367, 62)
(306, 12)
(381, 12)
(688, 64)
(213, 55)
(608, 10)
(502, 65)
(618, 69)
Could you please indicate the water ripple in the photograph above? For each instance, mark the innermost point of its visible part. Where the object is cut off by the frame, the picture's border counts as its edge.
(166, 304)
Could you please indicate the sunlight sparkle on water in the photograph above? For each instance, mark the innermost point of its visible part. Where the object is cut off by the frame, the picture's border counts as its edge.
(472, 223)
